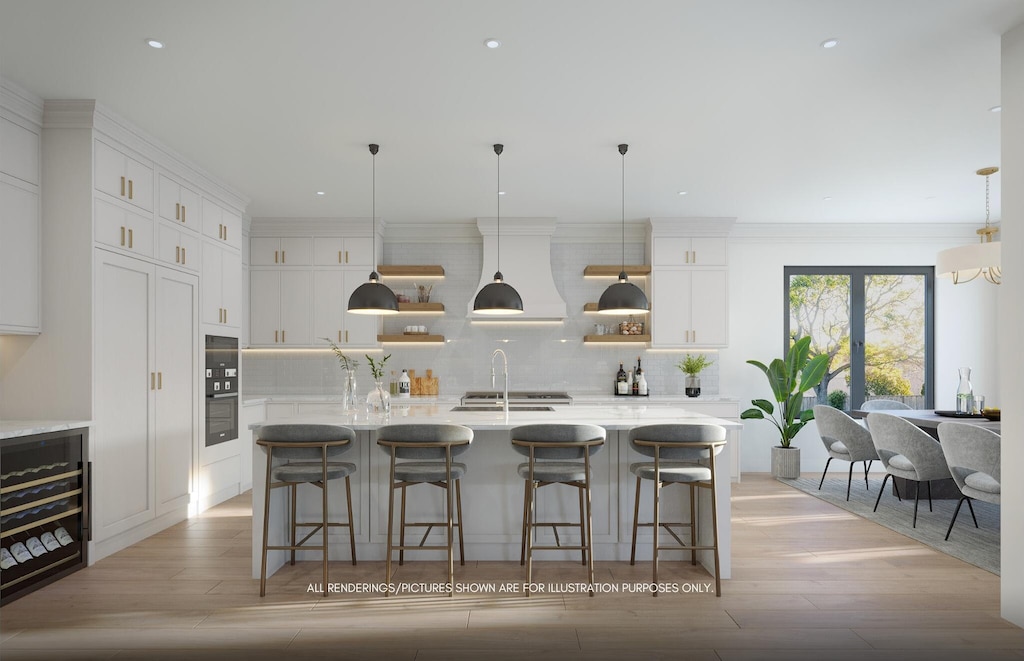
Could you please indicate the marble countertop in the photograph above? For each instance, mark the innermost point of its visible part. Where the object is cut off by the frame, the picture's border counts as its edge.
(614, 417)
(677, 400)
(19, 428)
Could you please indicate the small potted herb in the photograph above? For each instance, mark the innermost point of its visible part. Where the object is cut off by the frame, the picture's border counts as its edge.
(692, 366)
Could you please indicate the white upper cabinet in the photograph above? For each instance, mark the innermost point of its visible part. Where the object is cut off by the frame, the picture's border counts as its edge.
(221, 282)
(687, 251)
(175, 246)
(222, 224)
(19, 260)
(337, 251)
(287, 251)
(179, 203)
(19, 153)
(122, 176)
(331, 290)
(280, 308)
(117, 227)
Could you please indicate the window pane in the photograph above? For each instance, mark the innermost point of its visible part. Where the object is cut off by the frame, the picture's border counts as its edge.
(894, 335)
(819, 306)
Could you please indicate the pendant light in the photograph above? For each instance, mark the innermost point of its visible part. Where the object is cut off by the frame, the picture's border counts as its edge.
(373, 297)
(623, 297)
(498, 297)
(965, 263)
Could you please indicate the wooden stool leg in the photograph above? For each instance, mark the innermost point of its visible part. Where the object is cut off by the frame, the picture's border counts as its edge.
(351, 527)
(714, 524)
(295, 509)
(401, 533)
(451, 530)
(693, 524)
(636, 522)
(458, 509)
(590, 535)
(266, 523)
(526, 511)
(325, 529)
(583, 530)
(530, 505)
(391, 525)
(656, 525)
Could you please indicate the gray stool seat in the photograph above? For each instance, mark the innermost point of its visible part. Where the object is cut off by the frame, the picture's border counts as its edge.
(431, 448)
(985, 483)
(427, 471)
(308, 450)
(312, 471)
(672, 471)
(845, 439)
(559, 454)
(683, 454)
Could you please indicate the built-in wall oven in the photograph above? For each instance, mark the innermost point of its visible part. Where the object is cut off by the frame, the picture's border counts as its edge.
(221, 389)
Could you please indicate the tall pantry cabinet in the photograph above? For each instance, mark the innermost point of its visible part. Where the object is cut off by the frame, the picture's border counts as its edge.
(132, 214)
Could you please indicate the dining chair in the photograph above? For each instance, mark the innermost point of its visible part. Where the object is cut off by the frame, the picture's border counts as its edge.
(845, 439)
(973, 456)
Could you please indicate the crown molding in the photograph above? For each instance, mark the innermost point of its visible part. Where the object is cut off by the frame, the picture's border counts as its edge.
(339, 227)
(687, 226)
(853, 232)
(22, 103)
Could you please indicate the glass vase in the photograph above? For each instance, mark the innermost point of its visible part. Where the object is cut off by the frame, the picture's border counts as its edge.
(378, 401)
(965, 392)
(692, 386)
(348, 390)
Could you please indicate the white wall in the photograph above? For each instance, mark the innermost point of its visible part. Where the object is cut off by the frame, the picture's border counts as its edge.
(1011, 321)
(964, 314)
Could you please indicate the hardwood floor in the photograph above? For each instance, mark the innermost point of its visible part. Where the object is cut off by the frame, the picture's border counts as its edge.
(810, 581)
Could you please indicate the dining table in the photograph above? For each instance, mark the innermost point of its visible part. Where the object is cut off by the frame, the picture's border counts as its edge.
(928, 420)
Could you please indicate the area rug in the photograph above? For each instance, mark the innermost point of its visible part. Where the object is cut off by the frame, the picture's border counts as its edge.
(978, 546)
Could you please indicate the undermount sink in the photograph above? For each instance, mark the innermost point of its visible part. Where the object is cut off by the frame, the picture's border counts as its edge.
(512, 407)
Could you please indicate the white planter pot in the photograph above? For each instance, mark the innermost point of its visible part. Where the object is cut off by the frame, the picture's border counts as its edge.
(786, 462)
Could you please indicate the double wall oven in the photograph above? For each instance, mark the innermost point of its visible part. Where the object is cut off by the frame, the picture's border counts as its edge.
(221, 389)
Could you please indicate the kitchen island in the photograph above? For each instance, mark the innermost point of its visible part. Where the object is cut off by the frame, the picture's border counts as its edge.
(492, 492)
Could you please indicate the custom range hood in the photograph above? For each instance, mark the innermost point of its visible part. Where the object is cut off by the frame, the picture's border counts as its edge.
(525, 263)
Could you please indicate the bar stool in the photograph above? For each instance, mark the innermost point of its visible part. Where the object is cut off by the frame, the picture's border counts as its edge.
(433, 446)
(679, 452)
(309, 450)
(551, 449)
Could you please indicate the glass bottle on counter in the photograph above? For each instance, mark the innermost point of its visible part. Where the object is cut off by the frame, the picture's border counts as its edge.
(621, 385)
(404, 384)
(965, 392)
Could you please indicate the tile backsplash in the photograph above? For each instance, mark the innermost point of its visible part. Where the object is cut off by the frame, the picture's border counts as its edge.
(549, 356)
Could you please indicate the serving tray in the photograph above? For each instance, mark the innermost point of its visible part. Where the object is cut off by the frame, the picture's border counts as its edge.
(954, 414)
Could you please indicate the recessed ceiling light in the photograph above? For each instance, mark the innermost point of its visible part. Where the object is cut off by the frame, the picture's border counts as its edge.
(830, 43)
(492, 43)
(154, 43)
(682, 192)
(320, 192)
(827, 198)
(501, 192)
(996, 109)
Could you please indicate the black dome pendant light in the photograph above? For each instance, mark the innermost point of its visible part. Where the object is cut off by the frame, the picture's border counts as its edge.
(623, 297)
(373, 297)
(498, 297)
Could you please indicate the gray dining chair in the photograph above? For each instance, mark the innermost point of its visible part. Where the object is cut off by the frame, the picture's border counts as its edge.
(846, 439)
(884, 405)
(973, 456)
(908, 453)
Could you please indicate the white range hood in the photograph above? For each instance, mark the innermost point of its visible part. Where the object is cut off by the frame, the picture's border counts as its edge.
(526, 265)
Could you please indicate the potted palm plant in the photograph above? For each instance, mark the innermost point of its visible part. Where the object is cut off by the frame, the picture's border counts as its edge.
(789, 378)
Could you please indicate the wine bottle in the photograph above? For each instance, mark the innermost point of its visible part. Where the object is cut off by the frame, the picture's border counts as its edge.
(49, 541)
(20, 553)
(62, 536)
(6, 559)
(621, 386)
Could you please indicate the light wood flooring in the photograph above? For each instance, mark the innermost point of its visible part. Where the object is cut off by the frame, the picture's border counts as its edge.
(810, 581)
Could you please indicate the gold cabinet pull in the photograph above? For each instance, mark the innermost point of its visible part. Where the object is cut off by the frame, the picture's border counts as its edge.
(122, 235)
(339, 336)
(694, 335)
(275, 257)
(346, 337)
(177, 210)
(225, 232)
(152, 380)
(282, 336)
(283, 260)
(177, 254)
(339, 261)
(130, 196)
(122, 186)
(275, 336)
(183, 213)
(694, 256)
(225, 315)
(346, 257)
(130, 239)
(159, 380)
(182, 255)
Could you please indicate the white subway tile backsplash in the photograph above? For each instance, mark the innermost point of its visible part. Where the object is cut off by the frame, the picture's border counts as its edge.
(541, 356)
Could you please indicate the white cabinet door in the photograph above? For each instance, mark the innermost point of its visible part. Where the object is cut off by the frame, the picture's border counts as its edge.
(176, 400)
(19, 156)
(213, 220)
(179, 204)
(212, 284)
(264, 307)
(329, 303)
(709, 309)
(122, 176)
(337, 251)
(19, 260)
(708, 251)
(264, 252)
(296, 308)
(670, 307)
(359, 252)
(120, 228)
(232, 229)
(122, 443)
(287, 251)
(686, 251)
(231, 291)
(670, 251)
(176, 247)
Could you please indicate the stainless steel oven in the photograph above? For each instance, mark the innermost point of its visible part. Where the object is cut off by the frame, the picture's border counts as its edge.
(221, 389)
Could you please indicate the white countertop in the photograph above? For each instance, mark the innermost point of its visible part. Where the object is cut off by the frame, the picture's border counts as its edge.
(678, 400)
(18, 428)
(614, 417)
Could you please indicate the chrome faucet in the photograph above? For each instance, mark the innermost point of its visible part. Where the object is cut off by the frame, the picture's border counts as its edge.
(504, 360)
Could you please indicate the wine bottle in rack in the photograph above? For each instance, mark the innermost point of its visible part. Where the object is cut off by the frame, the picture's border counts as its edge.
(6, 559)
(20, 553)
(49, 541)
(62, 535)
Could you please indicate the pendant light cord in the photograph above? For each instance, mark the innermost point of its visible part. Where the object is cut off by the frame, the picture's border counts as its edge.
(373, 204)
(623, 152)
(986, 202)
(498, 195)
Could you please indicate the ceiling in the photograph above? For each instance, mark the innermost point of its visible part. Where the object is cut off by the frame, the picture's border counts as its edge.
(733, 101)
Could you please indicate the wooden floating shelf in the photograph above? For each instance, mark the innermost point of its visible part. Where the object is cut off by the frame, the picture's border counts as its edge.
(596, 339)
(418, 339)
(411, 271)
(587, 307)
(421, 307)
(613, 270)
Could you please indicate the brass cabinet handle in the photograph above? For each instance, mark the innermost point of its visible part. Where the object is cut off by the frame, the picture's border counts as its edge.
(339, 336)
(152, 380)
(122, 186)
(130, 239)
(177, 210)
(275, 257)
(694, 336)
(225, 315)
(694, 256)
(275, 336)
(283, 260)
(346, 257)
(177, 254)
(346, 337)
(122, 235)
(339, 261)
(183, 213)
(159, 380)
(225, 232)
(282, 336)
(130, 197)
(182, 255)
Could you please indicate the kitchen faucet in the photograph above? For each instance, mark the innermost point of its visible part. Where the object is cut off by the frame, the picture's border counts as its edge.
(504, 359)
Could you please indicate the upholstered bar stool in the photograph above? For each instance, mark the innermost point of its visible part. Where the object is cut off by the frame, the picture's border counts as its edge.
(432, 448)
(558, 454)
(310, 451)
(683, 454)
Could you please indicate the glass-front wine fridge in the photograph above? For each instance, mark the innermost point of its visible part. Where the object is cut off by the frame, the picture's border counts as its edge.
(44, 509)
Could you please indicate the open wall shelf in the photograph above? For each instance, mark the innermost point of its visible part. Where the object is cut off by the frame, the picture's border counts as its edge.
(412, 270)
(613, 270)
(609, 339)
(414, 308)
(411, 339)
